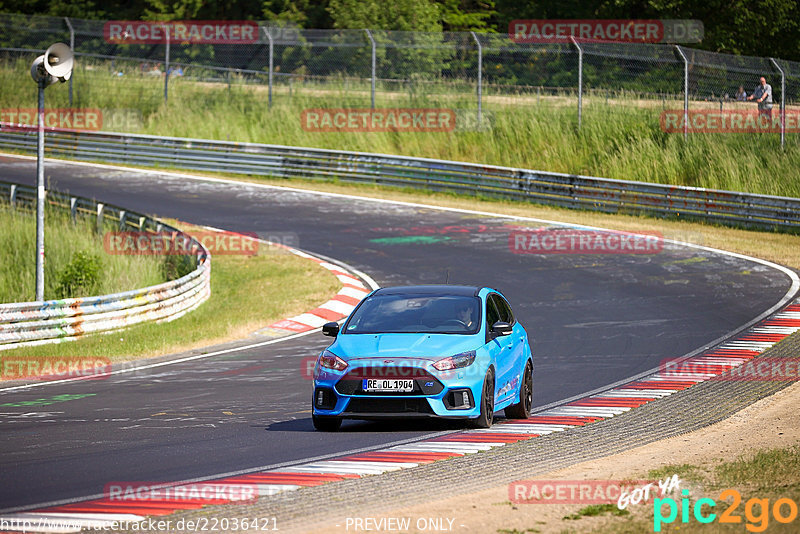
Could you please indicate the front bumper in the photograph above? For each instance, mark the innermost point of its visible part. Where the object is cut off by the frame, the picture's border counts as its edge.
(452, 394)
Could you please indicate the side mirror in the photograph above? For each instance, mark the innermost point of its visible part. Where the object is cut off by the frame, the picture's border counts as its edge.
(330, 329)
(501, 328)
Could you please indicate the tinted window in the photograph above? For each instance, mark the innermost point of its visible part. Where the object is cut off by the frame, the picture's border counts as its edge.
(504, 309)
(429, 314)
(492, 315)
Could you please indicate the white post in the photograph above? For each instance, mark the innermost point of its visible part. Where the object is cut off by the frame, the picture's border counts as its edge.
(40, 196)
(71, 47)
(372, 40)
(269, 82)
(480, 74)
(783, 101)
(685, 92)
(580, 79)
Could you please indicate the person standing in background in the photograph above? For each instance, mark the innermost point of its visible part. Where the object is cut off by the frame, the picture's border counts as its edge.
(763, 95)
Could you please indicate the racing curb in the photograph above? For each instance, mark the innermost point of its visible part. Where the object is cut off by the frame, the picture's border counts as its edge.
(738, 351)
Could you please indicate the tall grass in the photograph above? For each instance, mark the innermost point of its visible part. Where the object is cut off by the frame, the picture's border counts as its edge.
(63, 239)
(620, 139)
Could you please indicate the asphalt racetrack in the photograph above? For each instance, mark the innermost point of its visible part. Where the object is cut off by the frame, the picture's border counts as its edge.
(594, 320)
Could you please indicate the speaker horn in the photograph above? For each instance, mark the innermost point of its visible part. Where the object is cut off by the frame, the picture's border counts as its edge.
(38, 73)
(58, 61)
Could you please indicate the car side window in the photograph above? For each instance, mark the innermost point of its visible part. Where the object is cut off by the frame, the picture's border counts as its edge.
(504, 309)
(492, 315)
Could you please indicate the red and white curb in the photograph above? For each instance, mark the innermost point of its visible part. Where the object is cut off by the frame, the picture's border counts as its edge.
(735, 352)
(350, 294)
(336, 309)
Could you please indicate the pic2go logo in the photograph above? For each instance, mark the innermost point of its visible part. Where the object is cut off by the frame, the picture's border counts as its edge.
(756, 511)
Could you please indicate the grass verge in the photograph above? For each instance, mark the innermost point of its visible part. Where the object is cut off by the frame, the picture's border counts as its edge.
(760, 480)
(65, 244)
(620, 138)
(247, 293)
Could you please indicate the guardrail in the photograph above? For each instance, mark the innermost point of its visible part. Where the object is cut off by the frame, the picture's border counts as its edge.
(566, 190)
(52, 321)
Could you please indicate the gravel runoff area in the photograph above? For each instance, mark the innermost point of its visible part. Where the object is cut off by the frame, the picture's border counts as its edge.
(310, 509)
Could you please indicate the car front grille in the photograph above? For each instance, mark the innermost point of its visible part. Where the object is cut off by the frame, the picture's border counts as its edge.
(384, 405)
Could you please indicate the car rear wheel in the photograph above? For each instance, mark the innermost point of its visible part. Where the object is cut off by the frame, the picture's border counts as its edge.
(522, 410)
(326, 424)
(486, 417)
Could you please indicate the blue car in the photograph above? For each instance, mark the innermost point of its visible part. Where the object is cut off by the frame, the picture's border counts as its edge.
(425, 351)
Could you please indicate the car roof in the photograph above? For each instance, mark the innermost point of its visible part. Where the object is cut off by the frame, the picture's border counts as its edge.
(466, 291)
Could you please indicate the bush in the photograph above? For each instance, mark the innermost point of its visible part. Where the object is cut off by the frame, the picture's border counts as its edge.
(80, 277)
(176, 266)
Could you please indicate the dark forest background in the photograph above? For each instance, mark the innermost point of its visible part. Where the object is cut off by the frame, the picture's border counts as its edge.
(764, 28)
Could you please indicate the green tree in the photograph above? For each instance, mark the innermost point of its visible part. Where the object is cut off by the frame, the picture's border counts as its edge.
(467, 15)
(404, 15)
(304, 13)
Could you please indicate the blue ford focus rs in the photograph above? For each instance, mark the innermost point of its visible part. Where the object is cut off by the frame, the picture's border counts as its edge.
(425, 351)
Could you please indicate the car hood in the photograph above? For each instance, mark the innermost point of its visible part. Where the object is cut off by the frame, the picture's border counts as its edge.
(418, 346)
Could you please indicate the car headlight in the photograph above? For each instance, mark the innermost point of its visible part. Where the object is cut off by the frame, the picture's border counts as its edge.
(329, 360)
(455, 362)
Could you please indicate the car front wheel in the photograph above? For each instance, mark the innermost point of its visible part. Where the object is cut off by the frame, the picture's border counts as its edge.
(522, 410)
(486, 417)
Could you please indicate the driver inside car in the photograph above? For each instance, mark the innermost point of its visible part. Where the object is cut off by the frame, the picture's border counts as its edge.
(464, 314)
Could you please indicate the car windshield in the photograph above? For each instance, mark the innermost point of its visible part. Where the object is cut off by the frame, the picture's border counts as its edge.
(428, 314)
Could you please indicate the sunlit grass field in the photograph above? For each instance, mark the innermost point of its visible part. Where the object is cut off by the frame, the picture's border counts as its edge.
(619, 138)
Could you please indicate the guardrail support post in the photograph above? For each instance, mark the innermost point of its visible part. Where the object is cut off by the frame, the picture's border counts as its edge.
(73, 208)
(783, 101)
(480, 75)
(269, 77)
(122, 215)
(685, 92)
(71, 47)
(580, 79)
(372, 90)
(100, 213)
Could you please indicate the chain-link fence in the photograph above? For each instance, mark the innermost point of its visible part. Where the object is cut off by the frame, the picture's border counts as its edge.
(378, 68)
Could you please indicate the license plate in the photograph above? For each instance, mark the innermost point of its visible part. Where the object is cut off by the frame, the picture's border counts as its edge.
(378, 384)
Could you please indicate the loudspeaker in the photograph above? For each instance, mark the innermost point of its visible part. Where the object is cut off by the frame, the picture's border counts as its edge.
(55, 65)
(58, 61)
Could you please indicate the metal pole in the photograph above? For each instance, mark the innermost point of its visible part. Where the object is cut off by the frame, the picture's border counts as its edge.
(71, 47)
(269, 90)
(783, 101)
(369, 34)
(480, 75)
(580, 79)
(685, 92)
(40, 196)
(166, 65)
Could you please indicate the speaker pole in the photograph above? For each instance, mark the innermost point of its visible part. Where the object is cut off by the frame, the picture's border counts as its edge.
(40, 196)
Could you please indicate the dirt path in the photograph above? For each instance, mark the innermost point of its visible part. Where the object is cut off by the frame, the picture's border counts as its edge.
(773, 422)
